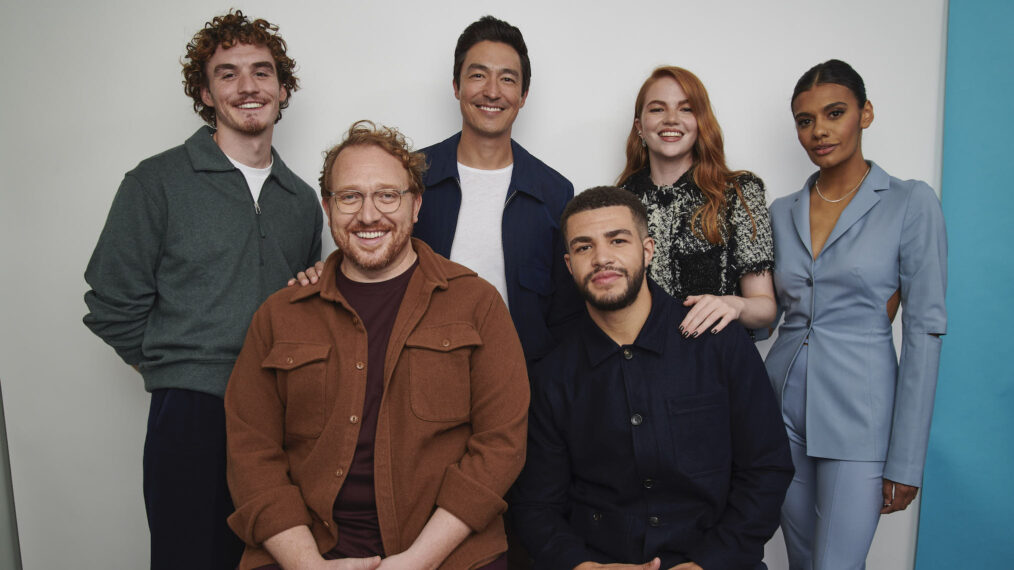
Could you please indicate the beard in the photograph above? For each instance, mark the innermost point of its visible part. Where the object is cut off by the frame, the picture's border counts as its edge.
(240, 122)
(377, 259)
(247, 126)
(615, 301)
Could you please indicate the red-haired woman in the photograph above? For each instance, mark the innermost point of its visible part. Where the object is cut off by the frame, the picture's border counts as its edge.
(710, 224)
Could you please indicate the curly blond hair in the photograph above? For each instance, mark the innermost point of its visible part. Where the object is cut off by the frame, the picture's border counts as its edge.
(390, 139)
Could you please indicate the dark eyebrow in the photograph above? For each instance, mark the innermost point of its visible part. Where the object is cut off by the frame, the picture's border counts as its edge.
(259, 65)
(578, 239)
(610, 234)
(224, 67)
(504, 71)
(826, 108)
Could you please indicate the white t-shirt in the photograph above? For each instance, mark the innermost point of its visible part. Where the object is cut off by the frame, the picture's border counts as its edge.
(478, 239)
(255, 177)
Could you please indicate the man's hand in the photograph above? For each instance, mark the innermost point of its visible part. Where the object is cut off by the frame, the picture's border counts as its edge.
(295, 548)
(308, 277)
(352, 564)
(687, 566)
(897, 496)
(653, 565)
(403, 560)
(441, 535)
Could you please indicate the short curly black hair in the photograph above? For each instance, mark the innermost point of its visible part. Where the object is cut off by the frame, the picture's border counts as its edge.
(604, 197)
(226, 31)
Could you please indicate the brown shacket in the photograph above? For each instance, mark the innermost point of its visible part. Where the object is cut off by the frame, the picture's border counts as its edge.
(452, 423)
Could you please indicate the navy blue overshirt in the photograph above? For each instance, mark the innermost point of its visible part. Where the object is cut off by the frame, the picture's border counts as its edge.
(666, 447)
(540, 291)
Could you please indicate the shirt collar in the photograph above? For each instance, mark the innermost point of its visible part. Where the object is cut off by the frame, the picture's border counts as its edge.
(205, 155)
(436, 270)
(651, 337)
(443, 164)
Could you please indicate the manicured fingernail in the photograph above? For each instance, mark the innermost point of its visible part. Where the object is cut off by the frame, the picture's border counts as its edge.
(696, 334)
(714, 331)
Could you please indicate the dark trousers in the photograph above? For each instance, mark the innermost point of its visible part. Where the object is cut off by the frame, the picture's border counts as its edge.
(185, 493)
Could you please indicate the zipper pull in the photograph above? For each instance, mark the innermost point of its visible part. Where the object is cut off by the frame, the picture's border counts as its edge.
(257, 207)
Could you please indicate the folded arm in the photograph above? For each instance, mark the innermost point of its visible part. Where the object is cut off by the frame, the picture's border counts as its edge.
(121, 272)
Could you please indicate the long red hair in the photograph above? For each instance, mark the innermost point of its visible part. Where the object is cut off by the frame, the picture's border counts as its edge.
(710, 172)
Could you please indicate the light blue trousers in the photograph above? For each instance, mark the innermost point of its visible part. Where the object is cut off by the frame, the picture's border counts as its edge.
(832, 507)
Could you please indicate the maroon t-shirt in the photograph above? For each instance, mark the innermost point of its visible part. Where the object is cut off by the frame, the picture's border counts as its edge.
(355, 509)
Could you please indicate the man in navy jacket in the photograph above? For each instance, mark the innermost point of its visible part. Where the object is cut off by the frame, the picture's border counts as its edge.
(646, 449)
(491, 205)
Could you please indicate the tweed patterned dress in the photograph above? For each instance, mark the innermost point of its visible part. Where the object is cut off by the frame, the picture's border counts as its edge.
(688, 264)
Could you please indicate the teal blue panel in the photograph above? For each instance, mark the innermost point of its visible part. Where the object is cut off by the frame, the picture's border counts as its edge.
(968, 498)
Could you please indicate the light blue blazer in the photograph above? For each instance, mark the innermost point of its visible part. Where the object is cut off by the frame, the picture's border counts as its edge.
(861, 403)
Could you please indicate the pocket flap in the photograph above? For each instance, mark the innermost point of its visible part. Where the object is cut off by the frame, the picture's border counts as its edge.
(445, 337)
(693, 403)
(289, 355)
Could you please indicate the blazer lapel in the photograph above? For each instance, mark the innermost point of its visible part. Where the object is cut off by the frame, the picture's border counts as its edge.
(801, 216)
(865, 199)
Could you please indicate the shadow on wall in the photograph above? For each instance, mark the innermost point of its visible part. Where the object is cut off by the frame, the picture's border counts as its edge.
(10, 549)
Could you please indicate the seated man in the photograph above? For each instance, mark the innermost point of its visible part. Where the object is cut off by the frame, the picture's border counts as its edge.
(645, 448)
(380, 412)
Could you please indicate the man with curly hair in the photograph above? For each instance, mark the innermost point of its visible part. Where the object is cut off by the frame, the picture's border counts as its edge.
(377, 417)
(196, 238)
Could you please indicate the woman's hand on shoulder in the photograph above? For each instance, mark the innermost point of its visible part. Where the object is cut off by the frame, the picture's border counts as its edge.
(710, 312)
(755, 309)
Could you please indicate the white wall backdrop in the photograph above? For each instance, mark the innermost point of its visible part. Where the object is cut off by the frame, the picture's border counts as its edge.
(91, 88)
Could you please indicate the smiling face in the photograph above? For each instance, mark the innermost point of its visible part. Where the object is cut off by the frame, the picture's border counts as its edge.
(243, 89)
(376, 246)
(829, 124)
(489, 89)
(668, 125)
(607, 255)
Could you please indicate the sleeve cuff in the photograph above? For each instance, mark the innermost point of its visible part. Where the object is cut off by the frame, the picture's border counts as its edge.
(270, 514)
(473, 503)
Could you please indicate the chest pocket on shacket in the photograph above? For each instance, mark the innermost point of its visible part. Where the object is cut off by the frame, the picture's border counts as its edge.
(439, 362)
(301, 369)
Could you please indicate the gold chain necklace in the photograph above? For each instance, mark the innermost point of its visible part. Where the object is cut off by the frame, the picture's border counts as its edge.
(816, 186)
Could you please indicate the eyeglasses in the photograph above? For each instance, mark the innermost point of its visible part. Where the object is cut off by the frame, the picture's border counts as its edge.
(351, 201)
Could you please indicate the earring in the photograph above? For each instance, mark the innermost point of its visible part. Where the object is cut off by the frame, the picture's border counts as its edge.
(643, 143)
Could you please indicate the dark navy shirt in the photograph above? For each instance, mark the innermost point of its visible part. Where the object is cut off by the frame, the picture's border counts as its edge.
(666, 447)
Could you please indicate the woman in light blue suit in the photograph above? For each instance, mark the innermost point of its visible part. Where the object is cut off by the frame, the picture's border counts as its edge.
(849, 246)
